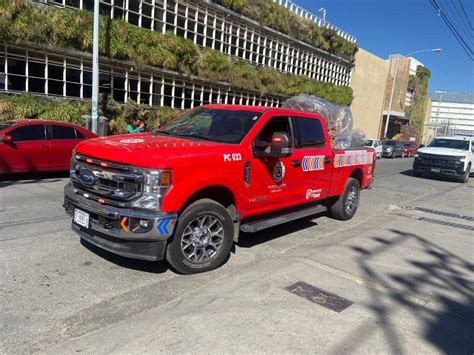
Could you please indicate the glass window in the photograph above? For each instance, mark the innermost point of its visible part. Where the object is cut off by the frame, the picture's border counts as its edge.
(36, 85)
(264, 138)
(55, 72)
(310, 132)
(16, 66)
(79, 135)
(73, 75)
(36, 69)
(28, 133)
(227, 126)
(55, 87)
(63, 132)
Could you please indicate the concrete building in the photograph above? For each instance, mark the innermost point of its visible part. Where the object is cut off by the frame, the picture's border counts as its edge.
(368, 84)
(451, 114)
(67, 73)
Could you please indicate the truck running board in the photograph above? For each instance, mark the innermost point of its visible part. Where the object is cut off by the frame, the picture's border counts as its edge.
(256, 226)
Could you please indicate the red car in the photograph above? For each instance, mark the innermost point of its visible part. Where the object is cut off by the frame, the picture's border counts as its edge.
(37, 145)
(410, 149)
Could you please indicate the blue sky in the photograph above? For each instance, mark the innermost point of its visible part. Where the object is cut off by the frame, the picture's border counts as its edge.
(385, 27)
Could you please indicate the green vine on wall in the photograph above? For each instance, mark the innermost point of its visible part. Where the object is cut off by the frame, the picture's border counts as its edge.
(275, 16)
(419, 84)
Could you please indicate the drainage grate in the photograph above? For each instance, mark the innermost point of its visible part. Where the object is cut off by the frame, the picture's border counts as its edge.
(447, 214)
(324, 298)
(444, 223)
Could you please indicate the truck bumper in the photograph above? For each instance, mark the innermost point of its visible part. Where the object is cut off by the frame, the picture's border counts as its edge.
(130, 233)
(456, 169)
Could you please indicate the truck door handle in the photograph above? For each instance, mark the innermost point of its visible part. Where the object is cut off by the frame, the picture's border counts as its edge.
(327, 160)
(43, 146)
(296, 163)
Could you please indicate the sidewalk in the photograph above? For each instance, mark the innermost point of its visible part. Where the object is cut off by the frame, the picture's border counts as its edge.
(410, 282)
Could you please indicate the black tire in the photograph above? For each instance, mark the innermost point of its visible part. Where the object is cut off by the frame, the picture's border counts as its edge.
(392, 156)
(175, 253)
(338, 210)
(465, 178)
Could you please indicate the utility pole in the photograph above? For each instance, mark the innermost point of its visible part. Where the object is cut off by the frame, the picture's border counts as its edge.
(95, 69)
(435, 50)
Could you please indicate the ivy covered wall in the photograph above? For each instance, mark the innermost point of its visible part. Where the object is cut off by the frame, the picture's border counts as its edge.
(270, 14)
(419, 84)
(66, 28)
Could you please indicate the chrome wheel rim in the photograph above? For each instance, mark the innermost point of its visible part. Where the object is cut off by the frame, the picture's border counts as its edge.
(202, 238)
(352, 199)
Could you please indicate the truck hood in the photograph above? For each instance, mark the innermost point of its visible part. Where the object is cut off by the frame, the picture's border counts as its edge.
(443, 151)
(147, 150)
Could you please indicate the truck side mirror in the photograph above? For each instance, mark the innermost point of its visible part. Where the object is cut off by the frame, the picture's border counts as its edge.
(280, 146)
(7, 139)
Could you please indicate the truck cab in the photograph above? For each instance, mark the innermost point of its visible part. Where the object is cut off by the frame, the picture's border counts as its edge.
(183, 193)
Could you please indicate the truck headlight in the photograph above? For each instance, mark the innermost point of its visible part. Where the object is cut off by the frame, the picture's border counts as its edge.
(156, 185)
(462, 157)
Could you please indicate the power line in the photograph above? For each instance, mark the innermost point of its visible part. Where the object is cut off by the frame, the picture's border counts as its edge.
(453, 30)
(465, 14)
(458, 20)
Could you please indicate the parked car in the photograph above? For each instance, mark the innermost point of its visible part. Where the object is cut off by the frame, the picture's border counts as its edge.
(377, 145)
(410, 149)
(392, 148)
(37, 145)
(184, 192)
(446, 156)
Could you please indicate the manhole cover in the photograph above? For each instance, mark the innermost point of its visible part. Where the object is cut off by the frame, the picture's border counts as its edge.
(324, 298)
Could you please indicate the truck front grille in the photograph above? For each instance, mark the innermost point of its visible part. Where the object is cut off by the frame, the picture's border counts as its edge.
(110, 181)
(438, 160)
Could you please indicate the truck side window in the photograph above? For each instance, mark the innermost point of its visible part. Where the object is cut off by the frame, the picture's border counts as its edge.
(310, 133)
(274, 124)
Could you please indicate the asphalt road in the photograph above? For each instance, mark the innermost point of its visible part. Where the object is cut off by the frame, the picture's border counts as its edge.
(53, 288)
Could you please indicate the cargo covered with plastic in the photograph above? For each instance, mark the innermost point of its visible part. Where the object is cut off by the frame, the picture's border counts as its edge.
(338, 120)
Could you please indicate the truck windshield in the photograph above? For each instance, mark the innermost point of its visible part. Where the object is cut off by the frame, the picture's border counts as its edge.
(449, 143)
(224, 126)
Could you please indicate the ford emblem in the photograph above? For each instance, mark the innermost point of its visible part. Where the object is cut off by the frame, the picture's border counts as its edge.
(87, 178)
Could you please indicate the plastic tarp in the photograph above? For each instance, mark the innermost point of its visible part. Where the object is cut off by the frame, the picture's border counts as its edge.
(338, 120)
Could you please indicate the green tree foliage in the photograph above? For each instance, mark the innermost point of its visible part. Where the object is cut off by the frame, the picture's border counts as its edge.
(419, 84)
(272, 15)
(118, 39)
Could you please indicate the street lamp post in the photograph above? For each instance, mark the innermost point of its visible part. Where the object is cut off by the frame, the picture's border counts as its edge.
(439, 106)
(95, 69)
(323, 11)
(435, 50)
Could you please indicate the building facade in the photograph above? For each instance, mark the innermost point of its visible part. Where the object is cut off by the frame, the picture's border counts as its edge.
(451, 114)
(68, 73)
(368, 84)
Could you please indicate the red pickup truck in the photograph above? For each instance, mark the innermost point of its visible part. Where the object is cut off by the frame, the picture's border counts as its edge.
(184, 192)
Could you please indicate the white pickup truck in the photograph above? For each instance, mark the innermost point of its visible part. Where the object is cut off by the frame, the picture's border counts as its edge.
(448, 156)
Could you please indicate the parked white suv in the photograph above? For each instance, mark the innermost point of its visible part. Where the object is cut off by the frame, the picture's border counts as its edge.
(448, 156)
(377, 145)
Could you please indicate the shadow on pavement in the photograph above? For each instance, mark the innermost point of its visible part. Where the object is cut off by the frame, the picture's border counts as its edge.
(31, 178)
(155, 267)
(429, 177)
(249, 240)
(448, 327)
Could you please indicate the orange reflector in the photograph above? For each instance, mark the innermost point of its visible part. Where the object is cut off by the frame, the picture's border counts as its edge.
(89, 161)
(166, 178)
(101, 200)
(277, 139)
(104, 165)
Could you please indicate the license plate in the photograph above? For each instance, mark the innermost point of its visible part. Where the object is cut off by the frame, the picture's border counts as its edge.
(435, 170)
(81, 218)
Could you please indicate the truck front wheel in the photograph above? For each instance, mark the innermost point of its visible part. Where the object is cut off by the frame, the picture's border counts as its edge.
(203, 238)
(346, 206)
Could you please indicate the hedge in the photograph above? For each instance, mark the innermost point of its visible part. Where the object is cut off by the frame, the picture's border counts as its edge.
(118, 39)
(27, 106)
(275, 16)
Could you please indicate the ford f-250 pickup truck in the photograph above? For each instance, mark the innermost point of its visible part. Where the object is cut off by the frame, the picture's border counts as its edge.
(184, 192)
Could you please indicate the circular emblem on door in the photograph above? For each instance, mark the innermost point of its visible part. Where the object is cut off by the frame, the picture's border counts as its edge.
(87, 178)
(278, 172)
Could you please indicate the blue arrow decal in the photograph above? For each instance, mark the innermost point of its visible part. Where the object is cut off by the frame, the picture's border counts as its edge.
(162, 226)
